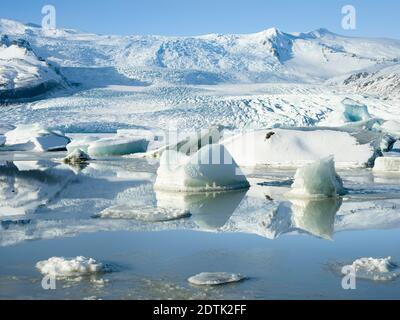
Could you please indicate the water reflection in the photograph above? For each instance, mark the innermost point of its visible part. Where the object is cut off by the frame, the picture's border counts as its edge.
(210, 211)
(316, 217)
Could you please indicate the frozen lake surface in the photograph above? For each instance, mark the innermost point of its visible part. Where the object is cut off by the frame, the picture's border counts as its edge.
(287, 249)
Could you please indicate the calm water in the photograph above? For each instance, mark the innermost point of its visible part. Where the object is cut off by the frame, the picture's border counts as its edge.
(288, 249)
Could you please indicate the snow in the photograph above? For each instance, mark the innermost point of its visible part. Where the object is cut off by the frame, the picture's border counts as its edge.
(61, 267)
(317, 180)
(149, 214)
(209, 169)
(215, 278)
(376, 269)
(76, 157)
(34, 138)
(387, 164)
(294, 148)
(117, 146)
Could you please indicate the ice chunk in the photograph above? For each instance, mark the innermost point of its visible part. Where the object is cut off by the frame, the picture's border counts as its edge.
(76, 157)
(294, 148)
(148, 214)
(355, 111)
(376, 269)
(387, 164)
(62, 267)
(35, 138)
(215, 278)
(117, 146)
(317, 180)
(391, 127)
(210, 169)
(80, 143)
(191, 144)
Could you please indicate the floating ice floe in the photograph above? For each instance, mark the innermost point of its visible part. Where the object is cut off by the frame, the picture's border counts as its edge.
(63, 267)
(317, 180)
(387, 164)
(294, 148)
(215, 278)
(148, 214)
(33, 137)
(376, 269)
(192, 143)
(210, 169)
(76, 157)
(117, 146)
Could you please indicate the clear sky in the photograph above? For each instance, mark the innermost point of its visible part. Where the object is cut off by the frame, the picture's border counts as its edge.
(193, 17)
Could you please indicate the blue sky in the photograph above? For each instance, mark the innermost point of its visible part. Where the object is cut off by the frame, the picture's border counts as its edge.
(193, 17)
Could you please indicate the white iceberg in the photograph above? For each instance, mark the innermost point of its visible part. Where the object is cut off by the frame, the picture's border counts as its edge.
(387, 164)
(147, 214)
(117, 146)
(33, 137)
(376, 269)
(192, 143)
(391, 127)
(81, 143)
(294, 148)
(210, 169)
(215, 278)
(62, 267)
(317, 180)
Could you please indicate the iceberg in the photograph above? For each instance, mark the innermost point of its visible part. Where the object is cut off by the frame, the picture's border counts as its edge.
(210, 169)
(192, 143)
(376, 269)
(295, 148)
(215, 278)
(34, 138)
(81, 143)
(392, 127)
(117, 146)
(62, 267)
(387, 164)
(317, 180)
(354, 111)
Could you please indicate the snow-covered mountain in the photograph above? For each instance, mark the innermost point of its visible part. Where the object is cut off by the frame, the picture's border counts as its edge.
(22, 72)
(267, 56)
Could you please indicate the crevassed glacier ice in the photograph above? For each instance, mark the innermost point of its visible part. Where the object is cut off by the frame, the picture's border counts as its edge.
(294, 148)
(63, 267)
(317, 180)
(117, 146)
(376, 269)
(387, 164)
(210, 169)
(215, 278)
(34, 137)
